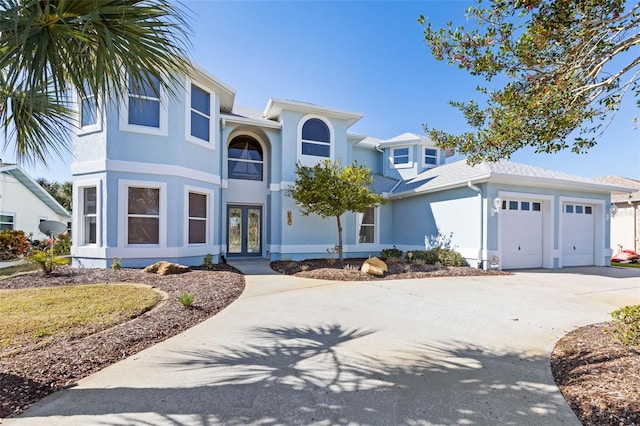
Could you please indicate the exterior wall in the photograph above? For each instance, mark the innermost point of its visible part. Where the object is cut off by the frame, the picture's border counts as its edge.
(455, 214)
(369, 158)
(25, 207)
(625, 228)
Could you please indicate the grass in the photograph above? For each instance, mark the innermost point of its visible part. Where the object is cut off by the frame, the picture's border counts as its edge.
(16, 269)
(36, 315)
(626, 265)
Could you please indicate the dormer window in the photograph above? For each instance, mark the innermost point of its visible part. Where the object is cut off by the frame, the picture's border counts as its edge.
(316, 138)
(401, 157)
(430, 157)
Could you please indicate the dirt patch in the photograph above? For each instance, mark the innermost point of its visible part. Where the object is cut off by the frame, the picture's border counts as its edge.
(29, 373)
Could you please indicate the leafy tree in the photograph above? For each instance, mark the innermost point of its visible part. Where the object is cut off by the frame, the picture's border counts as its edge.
(92, 46)
(330, 190)
(562, 66)
(62, 192)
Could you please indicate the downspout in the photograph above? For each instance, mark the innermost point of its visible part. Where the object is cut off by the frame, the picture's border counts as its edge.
(481, 249)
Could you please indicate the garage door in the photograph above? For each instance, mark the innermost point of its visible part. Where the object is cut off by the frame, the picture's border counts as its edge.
(577, 235)
(521, 234)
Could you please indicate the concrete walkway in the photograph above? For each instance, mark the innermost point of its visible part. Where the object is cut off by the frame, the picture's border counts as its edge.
(439, 351)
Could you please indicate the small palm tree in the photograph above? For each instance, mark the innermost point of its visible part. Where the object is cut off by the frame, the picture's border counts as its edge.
(96, 47)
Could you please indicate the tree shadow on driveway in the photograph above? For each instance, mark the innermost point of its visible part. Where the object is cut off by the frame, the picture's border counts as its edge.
(326, 375)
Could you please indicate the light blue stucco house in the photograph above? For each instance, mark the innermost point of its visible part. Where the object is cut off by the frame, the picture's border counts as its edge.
(177, 178)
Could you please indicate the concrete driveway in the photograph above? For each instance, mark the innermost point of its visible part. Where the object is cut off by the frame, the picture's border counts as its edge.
(468, 351)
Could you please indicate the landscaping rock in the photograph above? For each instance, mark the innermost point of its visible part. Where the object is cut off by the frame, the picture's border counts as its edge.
(166, 268)
(374, 266)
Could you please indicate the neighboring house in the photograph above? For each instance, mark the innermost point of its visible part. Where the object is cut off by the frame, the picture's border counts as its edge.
(24, 203)
(178, 178)
(625, 224)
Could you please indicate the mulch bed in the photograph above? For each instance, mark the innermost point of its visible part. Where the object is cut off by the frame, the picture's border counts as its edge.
(598, 376)
(349, 270)
(28, 374)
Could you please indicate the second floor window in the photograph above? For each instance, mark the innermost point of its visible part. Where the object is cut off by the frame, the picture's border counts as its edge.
(88, 112)
(316, 138)
(400, 156)
(144, 103)
(200, 113)
(245, 159)
(430, 157)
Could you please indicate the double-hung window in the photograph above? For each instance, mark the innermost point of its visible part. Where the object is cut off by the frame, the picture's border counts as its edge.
(143, 215)
(401, 157)
(89, 212)
(88, 112)
(144, 103)
(7, 221)
(316, 138)
(367, 226)
(200, 113)
(430, 157)
(197, 218)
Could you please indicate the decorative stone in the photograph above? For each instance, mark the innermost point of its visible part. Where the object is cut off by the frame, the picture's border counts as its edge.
(166, 268)
(374, 266)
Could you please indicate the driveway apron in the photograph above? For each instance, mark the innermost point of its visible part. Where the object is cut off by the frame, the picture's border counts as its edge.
(437, 351)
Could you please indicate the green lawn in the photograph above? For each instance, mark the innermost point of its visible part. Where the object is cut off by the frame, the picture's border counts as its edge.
(37, 315)
(626, 265)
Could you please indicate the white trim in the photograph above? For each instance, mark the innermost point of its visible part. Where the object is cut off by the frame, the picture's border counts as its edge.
(312, 160)
(209, 215)
(409, 164)
(423, 155)
(281, 186)
(78, 233)
(123, 185)
(144, 253)
(376, 229)
(163, 130)
(94, 128)
(143, 168)
(210, 144)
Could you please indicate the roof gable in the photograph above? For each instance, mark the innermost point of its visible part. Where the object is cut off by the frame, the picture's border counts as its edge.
(33, 186)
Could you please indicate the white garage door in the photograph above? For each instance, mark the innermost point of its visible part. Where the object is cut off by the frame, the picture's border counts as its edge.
(521, 234)
(577, 235)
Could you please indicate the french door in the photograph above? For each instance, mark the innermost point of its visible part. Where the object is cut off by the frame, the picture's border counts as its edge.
(244, 230)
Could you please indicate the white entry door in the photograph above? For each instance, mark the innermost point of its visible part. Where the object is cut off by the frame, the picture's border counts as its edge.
(577, 235)
(522, 234)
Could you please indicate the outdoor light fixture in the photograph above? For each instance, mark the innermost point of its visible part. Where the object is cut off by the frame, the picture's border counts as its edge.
(497, 204)
(611, 213)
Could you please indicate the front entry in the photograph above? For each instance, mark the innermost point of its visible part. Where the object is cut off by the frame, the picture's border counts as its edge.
(244, 230)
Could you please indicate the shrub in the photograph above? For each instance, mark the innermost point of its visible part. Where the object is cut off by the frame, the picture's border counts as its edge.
(13, 244)
(390, 253)
(447, 257)
(207, 261)
(62, 246)
(186, 299)
(47, 260)
(627, 321)
(116, 264)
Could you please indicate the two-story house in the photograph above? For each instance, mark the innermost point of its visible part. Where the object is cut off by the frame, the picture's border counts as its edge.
(159, 177)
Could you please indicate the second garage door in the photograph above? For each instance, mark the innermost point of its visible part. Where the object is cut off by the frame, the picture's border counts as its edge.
(521, 234)
(577, 235)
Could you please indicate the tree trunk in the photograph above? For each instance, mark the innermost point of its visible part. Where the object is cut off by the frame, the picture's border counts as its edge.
(339, 238)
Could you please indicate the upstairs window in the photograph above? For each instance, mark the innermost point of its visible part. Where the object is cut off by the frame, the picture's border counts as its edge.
(88, 112)
(245, 159)
(402, 157)
(316, 138)
(144, 103)
(200, 117)
(430, 157)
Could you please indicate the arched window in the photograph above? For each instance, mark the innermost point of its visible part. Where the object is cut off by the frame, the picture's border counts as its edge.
(245, 159)
(316, 138)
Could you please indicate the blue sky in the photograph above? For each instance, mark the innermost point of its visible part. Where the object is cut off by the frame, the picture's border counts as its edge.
(367, 57)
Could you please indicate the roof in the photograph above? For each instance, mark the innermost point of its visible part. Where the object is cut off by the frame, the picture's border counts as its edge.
(276, 106)
(16, 172)
(383, 184)
(623, 197)
(247, 115)
(459, 173)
